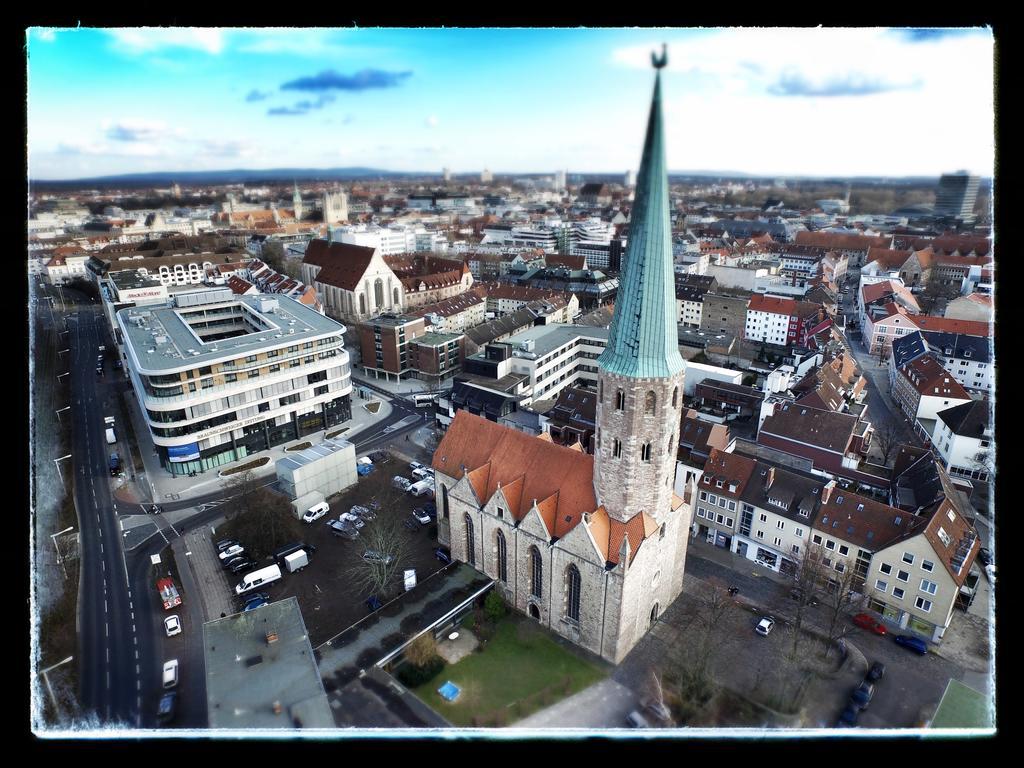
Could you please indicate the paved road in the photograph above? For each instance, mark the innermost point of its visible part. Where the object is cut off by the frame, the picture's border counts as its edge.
(113, 631)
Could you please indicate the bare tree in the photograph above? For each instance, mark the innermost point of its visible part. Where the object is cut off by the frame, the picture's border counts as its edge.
(840, 597)
(691, 662)
(385, 552)
(264, 521)
(887, 437)
(807, 578)
(238, 489)
(934, 290)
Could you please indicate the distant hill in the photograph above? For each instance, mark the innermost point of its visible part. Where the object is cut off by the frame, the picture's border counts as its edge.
(235, 176)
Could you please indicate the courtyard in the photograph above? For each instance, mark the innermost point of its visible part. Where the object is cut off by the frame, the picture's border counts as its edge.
(522, 668)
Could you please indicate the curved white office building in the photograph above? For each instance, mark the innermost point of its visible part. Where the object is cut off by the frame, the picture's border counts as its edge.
(220, 377)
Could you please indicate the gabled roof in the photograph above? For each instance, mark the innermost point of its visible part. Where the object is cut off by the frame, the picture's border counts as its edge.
(864, 521)
(887, 258)
(926, 375)
(838, 241)
(492, 454)
(968, 419)
(907, 348)
(342, 265)
(950, 325)
(813, 426)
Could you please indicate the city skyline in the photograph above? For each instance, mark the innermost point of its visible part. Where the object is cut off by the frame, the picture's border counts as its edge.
(757, 102)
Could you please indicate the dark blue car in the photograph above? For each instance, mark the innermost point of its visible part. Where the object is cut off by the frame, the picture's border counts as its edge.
(915, 644)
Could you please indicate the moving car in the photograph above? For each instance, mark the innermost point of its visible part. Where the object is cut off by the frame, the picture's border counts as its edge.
(443, 555)
(870, 623)
(421, 516)
(171, 673)
(765, 626)
(373, 556)
(230, 552)
(915, 644)
(876, 672)
(172, 625)
(165, 711)
(862, 696)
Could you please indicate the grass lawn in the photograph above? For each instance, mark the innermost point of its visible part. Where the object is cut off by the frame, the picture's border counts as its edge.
(520, 671)
(372, 407)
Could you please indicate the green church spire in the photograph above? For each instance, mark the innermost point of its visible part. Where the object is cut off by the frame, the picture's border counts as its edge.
(643, 340)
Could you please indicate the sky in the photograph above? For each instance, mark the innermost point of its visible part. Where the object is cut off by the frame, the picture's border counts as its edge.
(782, 102)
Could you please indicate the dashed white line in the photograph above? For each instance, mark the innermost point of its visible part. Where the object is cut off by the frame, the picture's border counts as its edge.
(133, 626)
(107, 628)
(138, 683)
(133, 619)
(136, 652)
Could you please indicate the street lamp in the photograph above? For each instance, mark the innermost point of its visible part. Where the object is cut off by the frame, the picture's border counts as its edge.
(60, 558)
(57, 462)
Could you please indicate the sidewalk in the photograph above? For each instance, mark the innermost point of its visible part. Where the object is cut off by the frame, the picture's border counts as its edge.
(157, 484)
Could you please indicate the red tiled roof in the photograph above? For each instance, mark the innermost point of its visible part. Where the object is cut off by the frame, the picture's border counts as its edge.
(759, 302)
(841, 242)
(928, 377)
(342, 265)
(887, 258)
(951, 325)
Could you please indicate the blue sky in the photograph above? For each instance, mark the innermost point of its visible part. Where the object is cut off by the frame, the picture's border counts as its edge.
(762, 101)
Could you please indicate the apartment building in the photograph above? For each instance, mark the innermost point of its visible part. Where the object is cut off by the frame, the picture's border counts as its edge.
(220, 377)
(922, 388)
(963, 438)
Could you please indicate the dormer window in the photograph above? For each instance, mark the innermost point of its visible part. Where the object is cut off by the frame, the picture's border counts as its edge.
(719, 484)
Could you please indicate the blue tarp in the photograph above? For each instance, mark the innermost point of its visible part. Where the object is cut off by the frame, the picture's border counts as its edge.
(450, 691)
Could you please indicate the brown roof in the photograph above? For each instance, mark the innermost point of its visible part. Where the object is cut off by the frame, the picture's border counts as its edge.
(863, 521)
(731, 468)
(964, 544)
(494, 454)
(813, 426)
(951, 325)
(841, 242)
(342, 265)
(887, 258)
(928, 377)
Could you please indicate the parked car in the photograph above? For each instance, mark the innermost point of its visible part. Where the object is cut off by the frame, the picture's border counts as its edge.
(848, 719)
(373, 556)
(358, 511)
(315, 513)
(430, 508)
(423, 473)
(985, 556)
(765, 626)
(421, 516)
(442, 554)
(170, 673)
(798, 594)
(341, 525)
(402, 483)
(367, 514)
(876, 672)
(990, 572)
(172, 625)
(225, 543)
(862, 695)
(348, 517)
(635, 720)
(372, 603)
(252, 605)
(414, 465)
(243, 565)
(374, 505)
(915, 644)
(234, 549)
(870, 623)
(345, 533)
(252, 597)
(380, 457)
(231, 562)
(168, 704)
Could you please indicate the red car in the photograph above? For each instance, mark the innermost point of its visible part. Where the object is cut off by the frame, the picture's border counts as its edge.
(870, 623)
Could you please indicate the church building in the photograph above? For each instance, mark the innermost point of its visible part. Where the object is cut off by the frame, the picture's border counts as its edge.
(592, 547)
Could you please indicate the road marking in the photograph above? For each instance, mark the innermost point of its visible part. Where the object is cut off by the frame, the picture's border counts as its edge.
(106, 626)
(133, 619)
(105, 605)
(138, 683)
(136, 642)
(108, 654)
(133, 627)
(108, 681)
(136, 656)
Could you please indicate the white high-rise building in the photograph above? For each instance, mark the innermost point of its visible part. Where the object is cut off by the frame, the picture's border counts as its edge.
(446, 174)
(630, 180)
(486, 177)
(560, 180)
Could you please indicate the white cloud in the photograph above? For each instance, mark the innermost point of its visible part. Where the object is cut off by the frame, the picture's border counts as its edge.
(133, 129)
(146, 39)
(431, 121)
(299, 42)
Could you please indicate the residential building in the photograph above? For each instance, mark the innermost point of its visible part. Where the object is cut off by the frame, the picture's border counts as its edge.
(725, 312)
(854, 247)
(963, 437)
(836, 443)
(219, 377)
(716, 507)
(782, 321)
(974, 306)
(922, 388)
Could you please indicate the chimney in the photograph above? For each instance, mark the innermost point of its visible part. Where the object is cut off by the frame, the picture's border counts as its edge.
(271, 638)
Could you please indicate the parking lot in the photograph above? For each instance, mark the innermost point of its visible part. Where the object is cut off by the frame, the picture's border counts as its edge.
(329, 601)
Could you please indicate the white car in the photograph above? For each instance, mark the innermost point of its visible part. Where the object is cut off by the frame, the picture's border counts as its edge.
(315, 513)
(171, 673)
(423, 473)
(351, 519)
(172, 624)
(230, 552)
(765, 626)
(414, 465)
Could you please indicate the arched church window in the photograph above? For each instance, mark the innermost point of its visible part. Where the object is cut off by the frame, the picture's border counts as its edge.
(620, 400)
(645, 452)
(573, 583)
(502, 553)
(362, 304)
(378, 293)
(536, 572)
(470, 549)
(616, 448)
(675, 397)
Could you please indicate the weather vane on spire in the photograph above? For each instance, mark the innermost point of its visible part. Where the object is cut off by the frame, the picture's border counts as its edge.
(659, 63)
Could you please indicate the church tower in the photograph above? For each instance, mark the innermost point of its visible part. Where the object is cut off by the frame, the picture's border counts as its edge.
(297, 203)
(640, 373)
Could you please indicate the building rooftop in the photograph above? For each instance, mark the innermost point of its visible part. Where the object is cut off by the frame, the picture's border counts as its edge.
(161, 339)
(261, 673)
(548, 338)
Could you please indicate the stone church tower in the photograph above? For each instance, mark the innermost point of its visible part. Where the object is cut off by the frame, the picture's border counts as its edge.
(297, 203)
(640, 373)
(592, 547)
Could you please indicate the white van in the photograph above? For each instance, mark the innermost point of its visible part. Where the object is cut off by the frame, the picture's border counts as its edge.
(316, 512)
(257, 578)
(171, 673)
(423, 487)
(111, 437)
